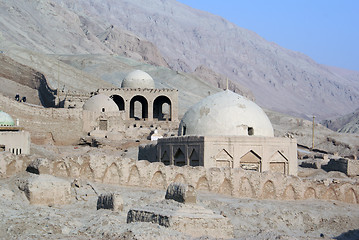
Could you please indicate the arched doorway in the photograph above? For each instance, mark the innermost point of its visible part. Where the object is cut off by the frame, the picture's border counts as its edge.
(162, 108)
(138, 107)
(119, 101)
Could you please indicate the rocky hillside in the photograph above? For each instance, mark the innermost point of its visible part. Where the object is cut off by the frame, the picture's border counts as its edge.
(281, 79)
(221, 81)
(47, 27)
(345, 124)
(187, 39)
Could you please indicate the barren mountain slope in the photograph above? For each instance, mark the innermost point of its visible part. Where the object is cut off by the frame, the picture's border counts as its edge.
(281, 79)
(47, 27)
(345, 73)
(345, 124)
(57, 73)
(221, 81)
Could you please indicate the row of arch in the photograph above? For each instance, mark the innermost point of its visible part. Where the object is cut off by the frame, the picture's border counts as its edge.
(247, 190)
(249, 161)
(248, 185)
(139, 107)
(230, 182)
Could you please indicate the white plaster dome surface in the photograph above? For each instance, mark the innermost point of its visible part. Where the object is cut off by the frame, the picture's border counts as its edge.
(100, 103)
(6, 119)
(225, 114)
(138, 79)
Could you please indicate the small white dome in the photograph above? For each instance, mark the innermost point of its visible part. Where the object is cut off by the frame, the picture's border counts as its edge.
(225, 114)
(6, 119)
(100, 103)
(138, 79)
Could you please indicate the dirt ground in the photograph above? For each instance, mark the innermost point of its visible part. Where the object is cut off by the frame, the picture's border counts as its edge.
(252, 219)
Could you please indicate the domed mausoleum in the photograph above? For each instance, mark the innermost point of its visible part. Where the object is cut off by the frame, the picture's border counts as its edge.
(226, 114)
(138, 79)
(226, 130)
(100, 103)
(137, 104)
(12, 137)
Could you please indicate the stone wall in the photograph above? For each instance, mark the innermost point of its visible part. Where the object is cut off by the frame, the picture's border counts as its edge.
(41, 121)
(234, 182)
(347, 166)
(73, 99)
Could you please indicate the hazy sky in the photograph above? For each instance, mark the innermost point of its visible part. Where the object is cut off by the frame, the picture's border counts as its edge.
(325, 30)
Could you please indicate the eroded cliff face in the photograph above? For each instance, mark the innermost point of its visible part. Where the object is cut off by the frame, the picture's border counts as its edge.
(25, 81)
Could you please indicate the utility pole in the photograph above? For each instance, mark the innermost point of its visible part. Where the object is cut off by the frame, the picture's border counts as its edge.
(313, 133)
(58, 83)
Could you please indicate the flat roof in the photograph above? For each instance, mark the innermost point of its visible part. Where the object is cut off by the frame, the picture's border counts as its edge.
(10, 128)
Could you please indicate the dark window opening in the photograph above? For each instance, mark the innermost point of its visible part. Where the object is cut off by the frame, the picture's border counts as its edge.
(250, 131)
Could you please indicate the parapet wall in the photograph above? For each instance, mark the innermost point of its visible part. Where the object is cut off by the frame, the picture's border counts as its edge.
(144, 90)
(234, 182)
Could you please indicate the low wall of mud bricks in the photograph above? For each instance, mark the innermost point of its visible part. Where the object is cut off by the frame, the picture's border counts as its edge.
(234, 182)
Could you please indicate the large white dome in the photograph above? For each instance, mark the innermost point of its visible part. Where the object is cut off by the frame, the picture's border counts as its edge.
(6, 119)
(225, 114)
(100, 103)
(138, 79)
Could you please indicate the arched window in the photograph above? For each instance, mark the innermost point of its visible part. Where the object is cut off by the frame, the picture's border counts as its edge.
(162, 108)
(119, 101)
(139, 107)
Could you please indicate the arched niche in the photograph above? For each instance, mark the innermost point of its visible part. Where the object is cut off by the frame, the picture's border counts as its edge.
(139, 107)
(120, 102)
(194, 158)
(162, 108)
(179, 158)
(251, 161)
(278, 163)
